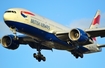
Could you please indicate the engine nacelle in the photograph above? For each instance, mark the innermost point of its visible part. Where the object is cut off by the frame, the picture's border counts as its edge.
(78, 35)
(10, 42)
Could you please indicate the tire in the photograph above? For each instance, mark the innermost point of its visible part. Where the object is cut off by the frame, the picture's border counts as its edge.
(44, 58)
(39, 59)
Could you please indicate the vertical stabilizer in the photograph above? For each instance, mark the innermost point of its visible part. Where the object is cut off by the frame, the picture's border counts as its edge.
(96, 20)
(95, 23)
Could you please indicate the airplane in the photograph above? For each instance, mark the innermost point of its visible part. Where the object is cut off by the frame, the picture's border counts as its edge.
(41, 33)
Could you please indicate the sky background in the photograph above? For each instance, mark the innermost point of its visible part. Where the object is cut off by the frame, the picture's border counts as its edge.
(71, 13)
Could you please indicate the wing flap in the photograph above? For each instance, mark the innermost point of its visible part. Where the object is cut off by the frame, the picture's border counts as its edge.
(98, 32)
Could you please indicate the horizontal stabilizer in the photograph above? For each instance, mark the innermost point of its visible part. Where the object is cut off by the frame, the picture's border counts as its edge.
(100, 46)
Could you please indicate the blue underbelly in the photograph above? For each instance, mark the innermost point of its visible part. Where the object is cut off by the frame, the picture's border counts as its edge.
(35, 32)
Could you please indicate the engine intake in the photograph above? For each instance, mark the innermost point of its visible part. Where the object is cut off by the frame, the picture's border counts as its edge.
(78, 35)
(9, 42)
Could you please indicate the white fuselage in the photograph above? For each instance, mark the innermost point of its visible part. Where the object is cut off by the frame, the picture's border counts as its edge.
(35, 21)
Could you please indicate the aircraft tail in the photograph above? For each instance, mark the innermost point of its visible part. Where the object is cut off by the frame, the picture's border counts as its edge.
(96, 20)
(95, 23)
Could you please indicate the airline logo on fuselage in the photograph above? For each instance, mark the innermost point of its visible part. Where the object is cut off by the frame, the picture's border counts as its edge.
(25, 13)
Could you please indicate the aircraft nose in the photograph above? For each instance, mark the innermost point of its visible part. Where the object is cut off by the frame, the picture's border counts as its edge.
(9, 15)
(6, 16)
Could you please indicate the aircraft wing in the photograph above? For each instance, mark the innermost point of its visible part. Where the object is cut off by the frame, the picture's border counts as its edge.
(96, 32)
(22, 39)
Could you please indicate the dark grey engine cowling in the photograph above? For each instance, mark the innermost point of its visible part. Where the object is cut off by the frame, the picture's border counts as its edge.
(78, 35)
(10, 42)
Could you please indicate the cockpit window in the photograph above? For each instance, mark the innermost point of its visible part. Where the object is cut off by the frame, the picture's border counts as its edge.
(10, 12)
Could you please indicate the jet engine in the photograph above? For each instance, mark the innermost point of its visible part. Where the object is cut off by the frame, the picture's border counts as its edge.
(10, 42)
(78, 35)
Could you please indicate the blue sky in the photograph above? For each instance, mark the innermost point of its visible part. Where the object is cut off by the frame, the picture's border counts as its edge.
(71, 13)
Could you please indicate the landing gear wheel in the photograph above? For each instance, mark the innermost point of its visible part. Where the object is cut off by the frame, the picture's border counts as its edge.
(39, 57)
(35, 56)
(81, 55)
(76, 56)
(44, 58)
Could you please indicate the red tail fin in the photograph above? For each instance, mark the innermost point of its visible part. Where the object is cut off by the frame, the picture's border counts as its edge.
(95, 23)
(96, 20)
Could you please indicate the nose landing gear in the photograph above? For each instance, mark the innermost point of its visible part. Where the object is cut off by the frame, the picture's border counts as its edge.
(14, 30)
